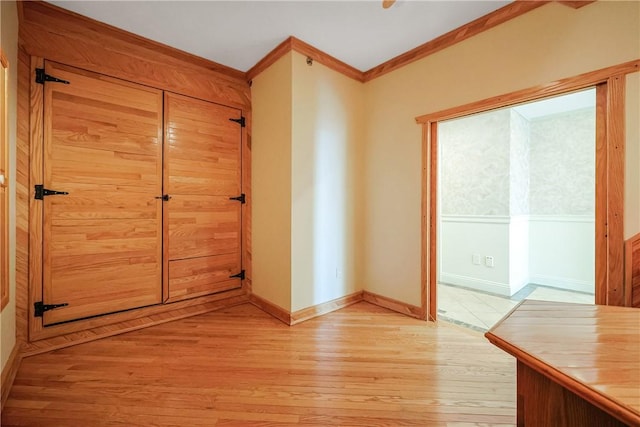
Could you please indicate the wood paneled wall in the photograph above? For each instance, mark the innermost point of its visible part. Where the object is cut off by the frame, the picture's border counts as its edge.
(49, 32)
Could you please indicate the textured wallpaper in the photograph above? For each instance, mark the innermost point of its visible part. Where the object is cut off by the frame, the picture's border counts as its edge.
(500, 163)
(562, 179)
(520, 164)
(474, 164)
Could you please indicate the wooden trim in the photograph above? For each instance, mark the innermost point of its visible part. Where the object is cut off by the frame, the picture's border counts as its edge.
(22, 198)
(576, 4)
(425, 269)
(324, 308)
(5, 187)
(558, 87)
(610, 162)
(601, 274)
(628, 268)
(615, 191)
(271, 57)
(140, 318)
(9, 373)
(268, 307)
(432, 134)
(68, 38)
(392, 304)
(293, 43)
(98, 27)
(326, 59)
(36, 125)
(473, 28)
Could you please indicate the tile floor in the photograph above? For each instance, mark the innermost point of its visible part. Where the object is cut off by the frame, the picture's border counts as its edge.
(480, 311)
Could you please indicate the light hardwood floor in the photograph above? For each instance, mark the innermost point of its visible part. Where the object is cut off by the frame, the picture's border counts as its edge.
(360, 366)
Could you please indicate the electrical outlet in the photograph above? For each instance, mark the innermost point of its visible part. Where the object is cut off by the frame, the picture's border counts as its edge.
(488, 261)
(475, 259)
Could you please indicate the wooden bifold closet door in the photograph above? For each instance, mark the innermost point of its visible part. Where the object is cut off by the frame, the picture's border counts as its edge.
(202, 176)
(102, 242)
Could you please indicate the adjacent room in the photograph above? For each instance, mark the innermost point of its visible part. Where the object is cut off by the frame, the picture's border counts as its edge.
(517, 208)
(320, 213)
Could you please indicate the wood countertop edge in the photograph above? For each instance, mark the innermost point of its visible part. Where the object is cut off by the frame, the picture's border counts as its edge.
(603, 401)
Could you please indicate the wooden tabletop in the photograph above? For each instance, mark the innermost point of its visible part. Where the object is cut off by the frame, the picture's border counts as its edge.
(592, 350)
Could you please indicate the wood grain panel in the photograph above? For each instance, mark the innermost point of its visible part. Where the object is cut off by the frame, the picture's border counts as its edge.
(241, 367)
(66, 37)
(632, 271)
(541, 402)
(102, 242)
(22, 198)
(484, 23)
(203, 171)
(615, 191)
(392, 304)
(602, 189)
(324, 308)
(591, 351)
(194, 277)
(203, 226)
(9, 373)
(81, 331)
(202, 149)
(36, 176)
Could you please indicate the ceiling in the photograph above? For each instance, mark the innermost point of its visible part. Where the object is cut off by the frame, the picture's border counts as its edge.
(239, 33)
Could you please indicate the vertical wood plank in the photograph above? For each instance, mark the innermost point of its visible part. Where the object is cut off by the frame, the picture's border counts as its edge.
(35, 206)
(615, 180)
(601, 242)
(433, 221)
(22, 198)
(425, 292)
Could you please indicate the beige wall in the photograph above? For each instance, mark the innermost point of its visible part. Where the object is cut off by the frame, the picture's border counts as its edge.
(549, 43)
(326, 168)
(307, 137)
(9, 42)
(271, 183)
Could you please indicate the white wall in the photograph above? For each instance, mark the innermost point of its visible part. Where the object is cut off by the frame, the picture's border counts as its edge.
(9, 42)
(463, 236)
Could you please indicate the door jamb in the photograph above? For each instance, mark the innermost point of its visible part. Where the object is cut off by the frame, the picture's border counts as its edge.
(610, 158)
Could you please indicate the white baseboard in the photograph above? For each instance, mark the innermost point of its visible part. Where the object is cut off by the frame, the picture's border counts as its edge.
(478, 284)
(562, 283)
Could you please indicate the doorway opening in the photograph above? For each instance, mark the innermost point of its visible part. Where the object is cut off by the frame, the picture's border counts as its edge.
(516, 208)
(609, 86)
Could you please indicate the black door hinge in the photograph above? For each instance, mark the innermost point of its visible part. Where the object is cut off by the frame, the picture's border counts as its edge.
(238, 276)
(40, 308)
(240, 120)
(241, 198)
(41, 192)
(42, 77)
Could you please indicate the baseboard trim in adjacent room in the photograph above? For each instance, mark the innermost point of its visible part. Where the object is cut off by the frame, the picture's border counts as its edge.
(325, 307)
(474, 283)
(562, 283)
(9, 373)
(392, 304)
(271, 309)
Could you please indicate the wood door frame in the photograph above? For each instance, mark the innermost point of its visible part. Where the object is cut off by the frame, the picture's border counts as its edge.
(610, 163)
